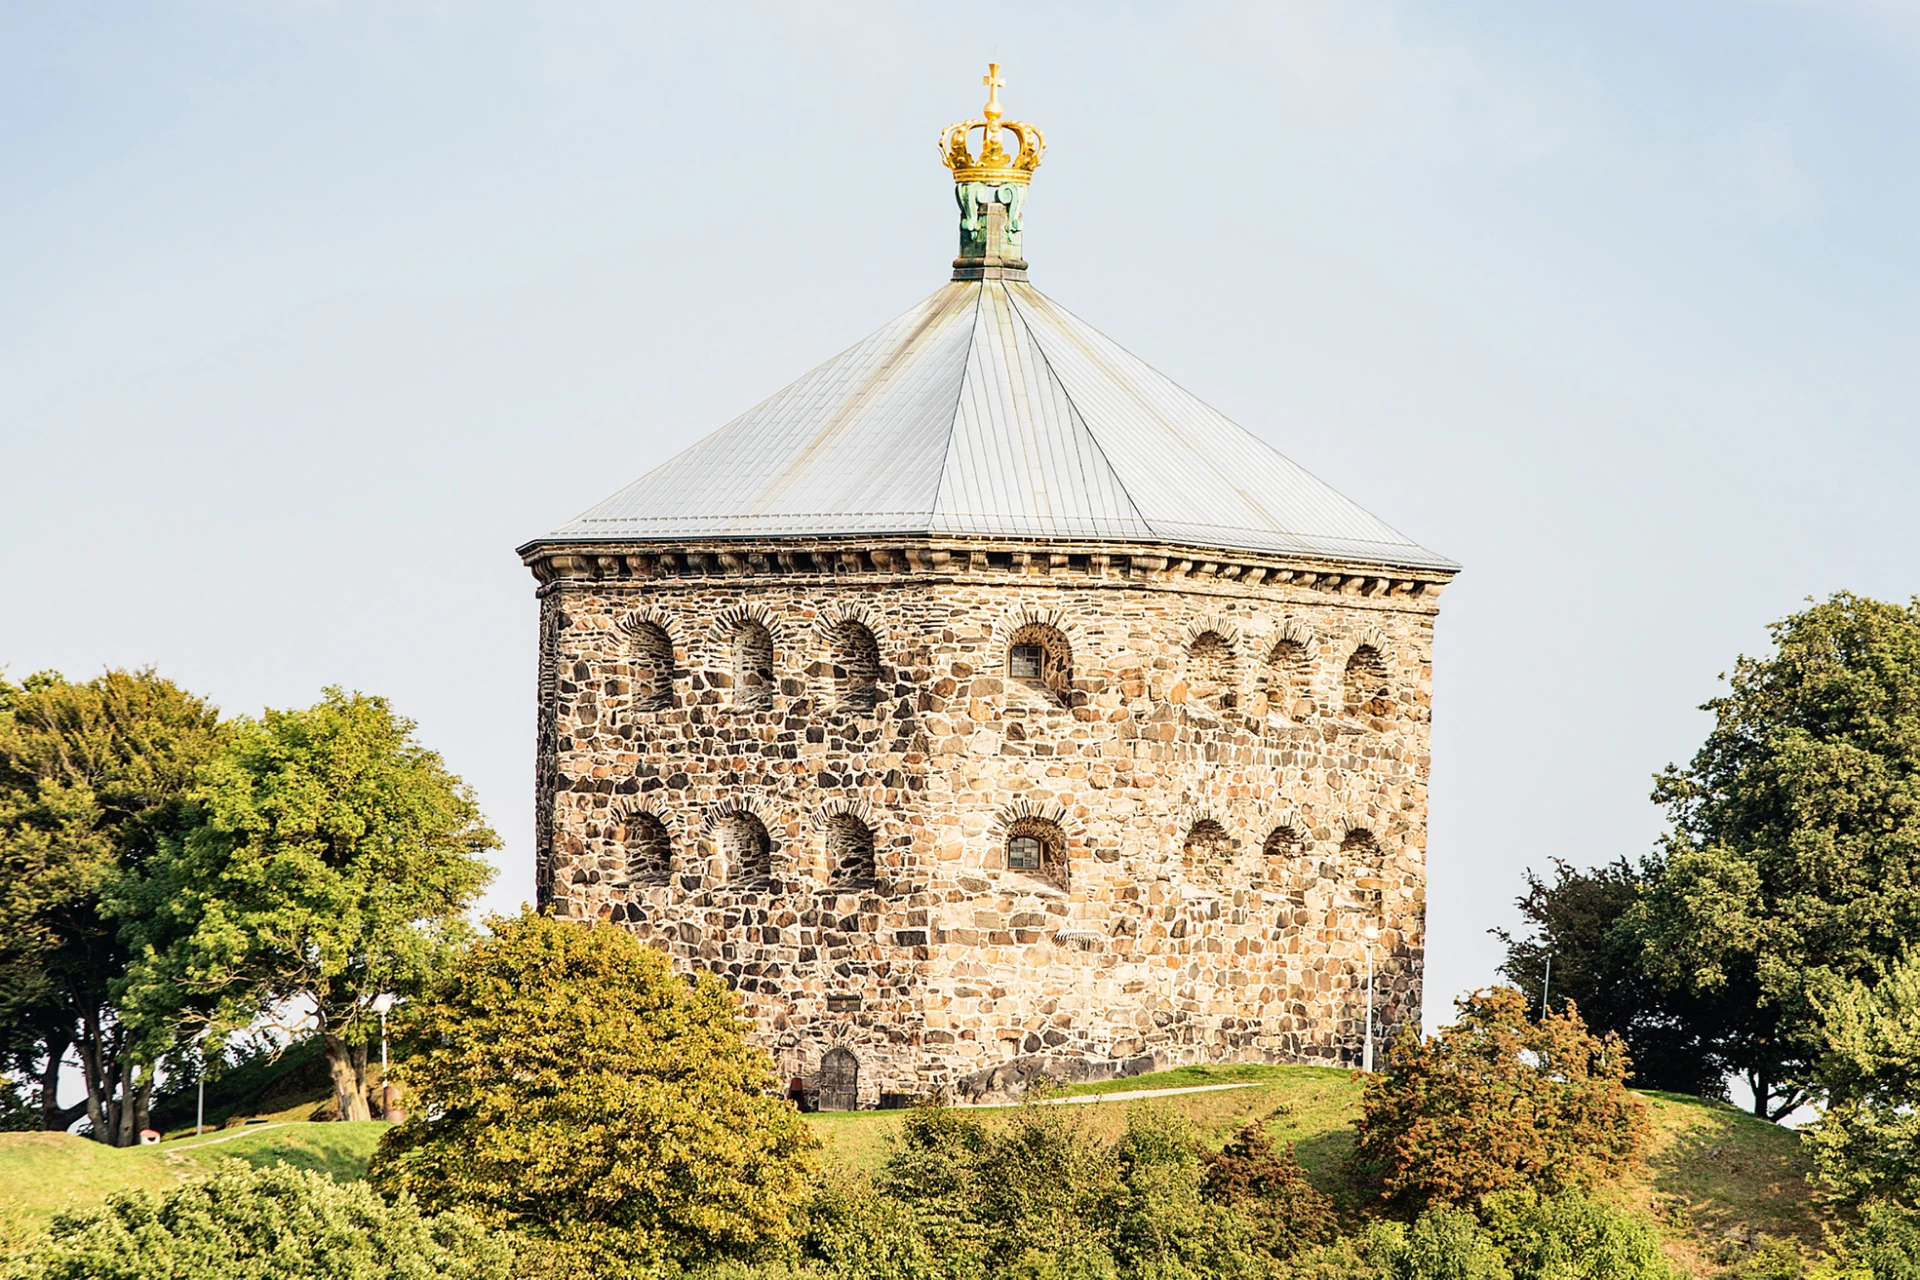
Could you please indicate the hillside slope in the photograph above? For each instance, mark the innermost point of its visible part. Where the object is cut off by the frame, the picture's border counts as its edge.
(1715, 1177)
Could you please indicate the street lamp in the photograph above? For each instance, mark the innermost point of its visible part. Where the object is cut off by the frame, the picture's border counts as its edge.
(381, 1004)
(1371, 934)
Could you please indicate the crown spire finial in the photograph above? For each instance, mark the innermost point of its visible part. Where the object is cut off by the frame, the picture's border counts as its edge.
(991, 186)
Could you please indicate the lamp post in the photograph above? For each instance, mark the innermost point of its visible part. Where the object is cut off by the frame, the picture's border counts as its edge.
(381, 1004)
(200, 1103)
(1366, 1053)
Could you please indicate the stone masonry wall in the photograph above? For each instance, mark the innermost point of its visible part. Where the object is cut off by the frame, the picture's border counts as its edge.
(1235, 795)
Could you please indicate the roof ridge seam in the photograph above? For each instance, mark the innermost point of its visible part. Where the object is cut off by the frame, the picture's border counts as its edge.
(1067, 394)
(959, 392)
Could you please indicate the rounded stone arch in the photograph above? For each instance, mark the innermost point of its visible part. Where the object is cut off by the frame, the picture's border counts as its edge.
(1207, 846)
(1210, 664)
(851, 639)
(747, 641)
(1034, 838)
(652, 657)
(1367, 682)
(851, 831)
(1286, 669)
(740, 844)
(1037, 649)
(648, 836)
(836, 1086)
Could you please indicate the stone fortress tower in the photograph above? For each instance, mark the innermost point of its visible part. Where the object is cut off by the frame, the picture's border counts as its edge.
(984, 704)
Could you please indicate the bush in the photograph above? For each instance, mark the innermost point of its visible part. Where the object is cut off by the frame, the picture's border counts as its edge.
(571, 1086)
(1569, 1237)
(275, 1223)
(1037, 1197)
(1270, 1190)
(1497, 1103)
(1885, 1245)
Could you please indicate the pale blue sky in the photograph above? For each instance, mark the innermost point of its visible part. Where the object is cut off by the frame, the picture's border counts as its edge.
(311, 312)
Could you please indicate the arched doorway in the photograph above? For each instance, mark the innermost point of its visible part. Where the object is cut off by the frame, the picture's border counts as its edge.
(839, 1085)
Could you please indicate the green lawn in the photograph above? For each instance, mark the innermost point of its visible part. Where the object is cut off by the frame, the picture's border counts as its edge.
(1710, 1171)
(43, 1173)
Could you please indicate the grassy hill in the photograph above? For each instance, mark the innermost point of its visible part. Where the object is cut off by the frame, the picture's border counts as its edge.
(1715, 1178)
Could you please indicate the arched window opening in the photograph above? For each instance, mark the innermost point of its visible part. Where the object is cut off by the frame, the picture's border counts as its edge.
(1363, 891)
(849, 851)
(1288, 691)
(1036, 847)
(648, 848)
(1207, 851)
(752, 667)
(856, 665)
(1211, 674)
(1039, 657)
(1284, 842)
(746, 850)
(650, 663)
(1366, 683)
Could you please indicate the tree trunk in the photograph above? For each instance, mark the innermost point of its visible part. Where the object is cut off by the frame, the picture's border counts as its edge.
(349, 1086)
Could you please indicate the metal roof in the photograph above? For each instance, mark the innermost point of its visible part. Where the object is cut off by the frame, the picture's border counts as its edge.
(991, 411)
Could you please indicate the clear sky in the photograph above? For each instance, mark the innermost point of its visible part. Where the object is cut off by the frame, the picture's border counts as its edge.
(311, 312)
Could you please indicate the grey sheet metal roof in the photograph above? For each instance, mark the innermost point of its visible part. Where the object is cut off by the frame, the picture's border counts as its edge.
(991, 411)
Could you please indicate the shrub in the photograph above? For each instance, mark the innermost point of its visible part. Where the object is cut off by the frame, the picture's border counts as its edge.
(1270, 1190)
(1569, 1237)
(1038, 1197)
(571, 1086)
(1884, 1245)
(275, 1223)
(1497, 1103)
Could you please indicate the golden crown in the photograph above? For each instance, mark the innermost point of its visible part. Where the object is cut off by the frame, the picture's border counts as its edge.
(993, 164)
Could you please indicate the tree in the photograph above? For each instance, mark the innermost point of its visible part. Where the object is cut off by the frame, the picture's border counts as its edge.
(571, 1086)
(1496, 1102)
(1679, 1039)
(1794, 857)
(1867, 1143)
(333, 860)
(94, 780)
(275, 1223)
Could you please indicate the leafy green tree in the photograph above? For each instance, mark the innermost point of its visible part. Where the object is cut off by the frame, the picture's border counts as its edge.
(94, 780)
(334, 859)
(1581, 949)
(276, 1223)
(1794, 857)
(1497, 1102)
(571, 1086)
(1867, 1143)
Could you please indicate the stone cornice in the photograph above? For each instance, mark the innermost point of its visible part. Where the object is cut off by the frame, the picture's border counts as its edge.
(556, 562)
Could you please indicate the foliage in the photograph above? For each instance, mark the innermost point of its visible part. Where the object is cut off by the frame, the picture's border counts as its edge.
(94, 779)
(1794, 857)
(1570, 1237)
(1577, 952)
(1039, 1196)
(334, 860)
(261, 1224)
(571, 1086)
(1513, 1236)
(1883, 1245)
(1496, 1103)
(1867, 1144)
(1270, 1190)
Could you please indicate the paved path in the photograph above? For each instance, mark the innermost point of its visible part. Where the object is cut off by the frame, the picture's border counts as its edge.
(1128, 1095)
(229, 1137)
